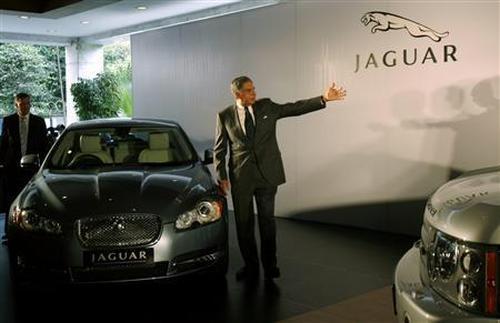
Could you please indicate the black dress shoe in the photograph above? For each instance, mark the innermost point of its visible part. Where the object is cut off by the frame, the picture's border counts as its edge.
(247, 273)
(272, 273)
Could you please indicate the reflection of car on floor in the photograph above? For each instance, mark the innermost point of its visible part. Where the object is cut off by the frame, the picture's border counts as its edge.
(452, 274)
(119, 200)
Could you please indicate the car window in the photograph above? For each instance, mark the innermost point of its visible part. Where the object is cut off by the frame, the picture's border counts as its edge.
(121, 146)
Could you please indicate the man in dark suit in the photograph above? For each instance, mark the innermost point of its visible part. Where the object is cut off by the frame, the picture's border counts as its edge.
(248, 127)
(23, 134)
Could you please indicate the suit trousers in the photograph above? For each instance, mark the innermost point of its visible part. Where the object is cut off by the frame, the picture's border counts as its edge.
(264, 194)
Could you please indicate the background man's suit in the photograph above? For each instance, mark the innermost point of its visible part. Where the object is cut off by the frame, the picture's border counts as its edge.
(10, 153)
(255, 168)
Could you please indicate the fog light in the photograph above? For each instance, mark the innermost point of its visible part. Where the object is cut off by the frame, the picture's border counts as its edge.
(467, 292)
(183, 265)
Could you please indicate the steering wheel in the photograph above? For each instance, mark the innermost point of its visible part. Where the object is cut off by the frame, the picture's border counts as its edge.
(86, 160)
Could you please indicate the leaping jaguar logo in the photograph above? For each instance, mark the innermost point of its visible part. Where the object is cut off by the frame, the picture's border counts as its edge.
(385, 21)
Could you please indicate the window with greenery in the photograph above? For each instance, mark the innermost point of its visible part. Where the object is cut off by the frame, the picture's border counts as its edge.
(109, 94)
(34, 69)
(117, 61)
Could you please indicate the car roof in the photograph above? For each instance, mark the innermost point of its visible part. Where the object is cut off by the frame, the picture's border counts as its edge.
(124, 122)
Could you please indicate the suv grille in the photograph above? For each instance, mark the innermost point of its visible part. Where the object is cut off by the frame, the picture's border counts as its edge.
(118, 230)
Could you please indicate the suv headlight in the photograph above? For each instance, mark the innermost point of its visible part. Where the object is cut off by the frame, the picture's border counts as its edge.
(468, 292)
(28, 220)
(205, 212)
(443, 258)
(456, 270)
(471, 262)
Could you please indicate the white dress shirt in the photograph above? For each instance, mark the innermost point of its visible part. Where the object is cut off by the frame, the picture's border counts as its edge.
(241, 115)
(23, 132)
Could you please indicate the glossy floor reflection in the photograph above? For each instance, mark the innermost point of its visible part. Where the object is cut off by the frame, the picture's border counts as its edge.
(321, 265)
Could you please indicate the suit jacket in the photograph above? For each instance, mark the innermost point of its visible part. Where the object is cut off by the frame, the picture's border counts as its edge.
(10, 145)
(262, 153)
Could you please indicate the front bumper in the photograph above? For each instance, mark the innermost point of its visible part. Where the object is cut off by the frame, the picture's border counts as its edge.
(415, 302)
(176, 254)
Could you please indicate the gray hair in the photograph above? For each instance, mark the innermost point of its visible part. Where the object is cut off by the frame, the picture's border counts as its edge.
(237, 83)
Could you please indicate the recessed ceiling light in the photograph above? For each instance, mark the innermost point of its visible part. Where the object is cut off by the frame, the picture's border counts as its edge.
(84, 22)
(24, 17)
(141, 7)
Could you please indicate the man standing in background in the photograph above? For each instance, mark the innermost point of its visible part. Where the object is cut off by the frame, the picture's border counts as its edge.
(248, 127)
(23, 134)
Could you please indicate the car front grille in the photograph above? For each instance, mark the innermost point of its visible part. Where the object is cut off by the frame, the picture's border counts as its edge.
(122, 230)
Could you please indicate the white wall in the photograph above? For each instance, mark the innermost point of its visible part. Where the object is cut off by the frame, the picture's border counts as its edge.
(371, 160)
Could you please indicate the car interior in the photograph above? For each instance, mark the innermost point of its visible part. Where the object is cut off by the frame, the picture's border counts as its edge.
(97, 148)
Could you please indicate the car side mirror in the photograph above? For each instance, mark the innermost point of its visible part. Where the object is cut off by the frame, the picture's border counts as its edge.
(30, 161)
(209, 157)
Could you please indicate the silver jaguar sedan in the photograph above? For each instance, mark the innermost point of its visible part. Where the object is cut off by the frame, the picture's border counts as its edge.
(452, 274)
(118, 200)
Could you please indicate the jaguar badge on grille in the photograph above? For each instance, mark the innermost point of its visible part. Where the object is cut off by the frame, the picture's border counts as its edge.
(119, 224)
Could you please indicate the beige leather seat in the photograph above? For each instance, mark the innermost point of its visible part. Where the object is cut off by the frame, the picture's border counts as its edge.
(159, 149)
(91, 145)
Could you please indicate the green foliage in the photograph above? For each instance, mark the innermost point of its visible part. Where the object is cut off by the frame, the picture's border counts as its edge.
(31, 69)
(117, 62)
(96, 98)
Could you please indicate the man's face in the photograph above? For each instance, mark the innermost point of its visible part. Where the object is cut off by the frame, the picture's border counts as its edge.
(247, 94)
(23, 106)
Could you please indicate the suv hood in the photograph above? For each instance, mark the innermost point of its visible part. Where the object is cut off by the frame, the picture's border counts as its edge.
(468, 207)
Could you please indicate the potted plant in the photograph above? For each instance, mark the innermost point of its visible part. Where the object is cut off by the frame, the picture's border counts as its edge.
(96, 98)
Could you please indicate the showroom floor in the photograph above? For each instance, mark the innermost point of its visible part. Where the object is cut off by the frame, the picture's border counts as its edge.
(329, 274)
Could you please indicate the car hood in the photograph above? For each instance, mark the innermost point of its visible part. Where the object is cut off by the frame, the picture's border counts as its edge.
(468, 207)
(69, 196)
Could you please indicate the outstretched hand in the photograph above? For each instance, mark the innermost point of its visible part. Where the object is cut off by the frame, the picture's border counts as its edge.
(333, 93)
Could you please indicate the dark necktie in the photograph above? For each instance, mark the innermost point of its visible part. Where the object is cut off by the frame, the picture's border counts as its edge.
(23, 134)
(249, 126)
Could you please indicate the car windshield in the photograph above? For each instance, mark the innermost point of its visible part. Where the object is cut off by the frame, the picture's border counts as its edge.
(121, 146)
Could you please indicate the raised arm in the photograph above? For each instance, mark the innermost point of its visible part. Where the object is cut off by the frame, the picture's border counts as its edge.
(305, 106)
(300, 107)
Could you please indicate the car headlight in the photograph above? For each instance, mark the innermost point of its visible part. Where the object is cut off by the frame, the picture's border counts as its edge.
(471, 262)
(205, 212)
(28, 220)
(458, 270)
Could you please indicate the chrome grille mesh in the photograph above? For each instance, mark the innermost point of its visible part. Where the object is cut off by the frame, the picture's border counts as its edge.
(118, 230)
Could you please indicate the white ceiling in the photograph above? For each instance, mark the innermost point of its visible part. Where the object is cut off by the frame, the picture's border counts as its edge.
(111, 18)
